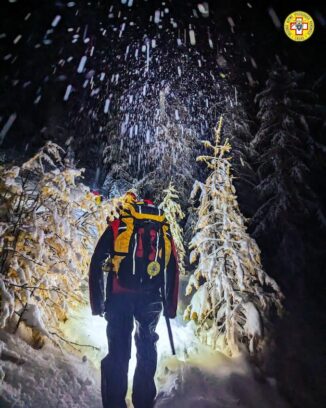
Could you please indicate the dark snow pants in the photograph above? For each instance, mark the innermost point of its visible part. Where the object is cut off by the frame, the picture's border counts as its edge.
(121, 310)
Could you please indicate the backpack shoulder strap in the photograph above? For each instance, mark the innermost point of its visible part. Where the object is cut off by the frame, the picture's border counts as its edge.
(141, 211)
(115, 228)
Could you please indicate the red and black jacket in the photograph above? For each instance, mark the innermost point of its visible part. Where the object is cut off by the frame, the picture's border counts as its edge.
(103, 250)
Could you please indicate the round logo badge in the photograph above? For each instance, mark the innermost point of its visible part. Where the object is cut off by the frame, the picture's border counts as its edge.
(299, 26)
(153, 268)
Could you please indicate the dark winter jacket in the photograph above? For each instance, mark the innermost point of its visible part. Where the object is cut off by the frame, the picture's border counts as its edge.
(103, 250)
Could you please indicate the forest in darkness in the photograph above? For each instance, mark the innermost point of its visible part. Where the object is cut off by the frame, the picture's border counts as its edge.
(175, 93)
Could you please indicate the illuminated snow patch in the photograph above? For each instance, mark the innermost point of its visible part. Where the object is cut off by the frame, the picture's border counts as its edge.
(83, 328)
(196, 377)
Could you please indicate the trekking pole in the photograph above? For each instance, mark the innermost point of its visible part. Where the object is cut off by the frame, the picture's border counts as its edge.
(168, 324)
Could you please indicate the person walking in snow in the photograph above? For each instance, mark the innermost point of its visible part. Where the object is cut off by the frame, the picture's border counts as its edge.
(143, 271)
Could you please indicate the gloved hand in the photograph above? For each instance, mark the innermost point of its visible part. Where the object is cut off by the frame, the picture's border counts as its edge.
(99, 312)
(168, 312)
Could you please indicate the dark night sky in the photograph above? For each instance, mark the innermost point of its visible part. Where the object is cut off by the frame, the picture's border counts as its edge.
(33, 79)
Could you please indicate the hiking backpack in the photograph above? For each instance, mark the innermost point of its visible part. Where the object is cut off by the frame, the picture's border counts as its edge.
(142, 246)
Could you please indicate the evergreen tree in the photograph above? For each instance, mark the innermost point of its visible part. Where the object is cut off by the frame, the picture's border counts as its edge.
(170, 151)
(234, 297)
(286, 149)
(174, 215)
(289, 209)
(49, 224)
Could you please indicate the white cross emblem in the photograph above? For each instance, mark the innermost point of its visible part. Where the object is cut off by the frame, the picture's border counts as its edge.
(299, 25)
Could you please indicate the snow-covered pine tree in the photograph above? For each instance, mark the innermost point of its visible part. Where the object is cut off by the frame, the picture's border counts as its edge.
(166, 154)
(176, 149)
(170, 151)
(286, 150)
(49, 225)
(234, 297)
(174, 215)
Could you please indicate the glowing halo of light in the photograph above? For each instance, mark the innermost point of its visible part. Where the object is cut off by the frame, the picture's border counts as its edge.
(84, 328)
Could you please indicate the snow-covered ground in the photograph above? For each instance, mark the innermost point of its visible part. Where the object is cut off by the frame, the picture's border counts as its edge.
(197, 377)
(45, 378)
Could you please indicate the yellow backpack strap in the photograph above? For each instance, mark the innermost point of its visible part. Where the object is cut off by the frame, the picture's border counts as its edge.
(140, 216)
(167, 244)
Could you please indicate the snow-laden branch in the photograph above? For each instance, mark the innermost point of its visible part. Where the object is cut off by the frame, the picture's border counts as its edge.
(174, 215)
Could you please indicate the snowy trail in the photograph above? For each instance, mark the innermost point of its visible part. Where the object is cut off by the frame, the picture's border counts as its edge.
(197, 378)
